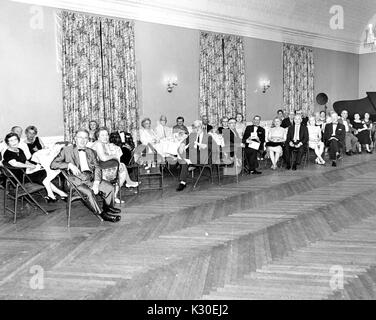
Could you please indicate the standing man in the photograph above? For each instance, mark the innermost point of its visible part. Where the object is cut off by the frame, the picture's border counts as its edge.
(254, 140)
(334, 138)
(85, 173)
(297, 142)
(205, 124)
(351, 141)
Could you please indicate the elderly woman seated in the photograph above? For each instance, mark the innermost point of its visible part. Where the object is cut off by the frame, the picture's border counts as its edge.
(162, 130)
(15, 157)
(276, 142)
(107, 151)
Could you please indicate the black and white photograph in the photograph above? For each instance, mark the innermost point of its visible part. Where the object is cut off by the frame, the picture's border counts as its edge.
(181, 156)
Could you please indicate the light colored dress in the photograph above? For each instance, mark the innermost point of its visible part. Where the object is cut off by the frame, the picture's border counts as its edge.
(111, 151)
(163, 132)
(276, 136)
(240, 128)
(314, 136)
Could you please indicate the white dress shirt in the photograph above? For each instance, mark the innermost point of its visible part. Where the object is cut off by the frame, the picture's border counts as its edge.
(297, 133)
(84, 166)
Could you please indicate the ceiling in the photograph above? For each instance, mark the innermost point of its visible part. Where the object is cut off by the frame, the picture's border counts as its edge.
(304, 22)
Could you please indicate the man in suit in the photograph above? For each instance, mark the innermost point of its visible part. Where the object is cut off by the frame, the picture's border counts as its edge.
(124, 140)
(297, 142)
(180, 127)
(85, 173)
(289, 121)
(205, 124)
(198, 148)
(351, 141)
(232, 140)
(254, 140)
(334, 138)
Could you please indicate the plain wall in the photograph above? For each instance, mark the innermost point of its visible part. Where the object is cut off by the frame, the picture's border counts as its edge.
(30, 86)
(163, 52)
(367, 74)
(263, 60)
(337, 75)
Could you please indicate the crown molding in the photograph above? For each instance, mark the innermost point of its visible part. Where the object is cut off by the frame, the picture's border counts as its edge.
(200, 21)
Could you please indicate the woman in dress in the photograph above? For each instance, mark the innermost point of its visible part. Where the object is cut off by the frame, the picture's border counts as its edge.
(33, 142)
(15, 157)
(93, 127)
(362, 133)
(276, 141)
(107, 151)
(240, 125)
(315, 140)
(367, 121)
(162, 130)
(147, 134)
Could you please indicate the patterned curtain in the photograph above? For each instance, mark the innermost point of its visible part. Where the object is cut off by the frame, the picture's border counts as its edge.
(222, 76)
(119, 74)
(298, 78)
(99, 76)
(82, 72)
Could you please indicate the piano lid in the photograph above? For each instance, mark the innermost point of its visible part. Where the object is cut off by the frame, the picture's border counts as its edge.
(361, 106)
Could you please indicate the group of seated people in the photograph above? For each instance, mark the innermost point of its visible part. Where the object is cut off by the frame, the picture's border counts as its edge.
(288, 138)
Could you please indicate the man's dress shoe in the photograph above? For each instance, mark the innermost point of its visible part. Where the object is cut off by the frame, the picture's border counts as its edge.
(110, 209)
(181, 187)
(109, 217)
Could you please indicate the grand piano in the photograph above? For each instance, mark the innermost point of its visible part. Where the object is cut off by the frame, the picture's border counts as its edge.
(362, 106)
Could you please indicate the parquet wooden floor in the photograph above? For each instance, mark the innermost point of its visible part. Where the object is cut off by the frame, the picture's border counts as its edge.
(207, 243)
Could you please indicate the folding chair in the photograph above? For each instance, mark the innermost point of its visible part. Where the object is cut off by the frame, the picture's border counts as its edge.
(71, 197)
(141, 160)
(17, 190)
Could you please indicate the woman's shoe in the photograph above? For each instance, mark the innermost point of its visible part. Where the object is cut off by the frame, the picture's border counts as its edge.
(50, 200)
(118, 201)
(133, 184)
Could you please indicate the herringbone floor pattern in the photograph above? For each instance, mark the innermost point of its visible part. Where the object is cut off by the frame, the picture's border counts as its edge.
(227, 241)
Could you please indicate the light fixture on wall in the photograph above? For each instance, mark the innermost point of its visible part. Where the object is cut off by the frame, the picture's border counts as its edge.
(171, 83)
(265, 84)
(370, 40)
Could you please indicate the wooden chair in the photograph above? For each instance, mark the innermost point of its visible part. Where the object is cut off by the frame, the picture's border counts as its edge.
(73, 195)
(20, 190)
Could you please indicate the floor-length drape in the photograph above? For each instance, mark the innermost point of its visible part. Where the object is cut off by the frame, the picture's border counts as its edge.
(222, 76)
(298, 78)
(81, 71)
(119, 74)
(99, 73)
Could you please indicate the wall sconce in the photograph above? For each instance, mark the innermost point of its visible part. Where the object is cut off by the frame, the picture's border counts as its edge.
(171, 84)
(265, 84)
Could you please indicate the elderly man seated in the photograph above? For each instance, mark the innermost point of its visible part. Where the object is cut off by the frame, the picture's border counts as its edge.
(334, 138)
(86, 175)
(297, 142)
(351, 141)
(199, 148)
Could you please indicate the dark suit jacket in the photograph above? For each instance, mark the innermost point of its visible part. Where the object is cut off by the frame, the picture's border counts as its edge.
(303, 135)
(210, 155)
(70, 155)
(340, 133)
(116, 139)
(286, 123)
(260, 134)
(209, 128)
